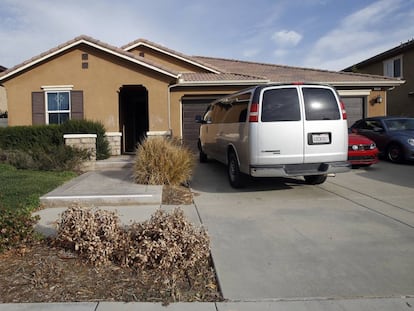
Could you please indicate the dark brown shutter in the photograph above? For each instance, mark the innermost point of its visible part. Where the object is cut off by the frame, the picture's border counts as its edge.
(77, 105)
(38, 108)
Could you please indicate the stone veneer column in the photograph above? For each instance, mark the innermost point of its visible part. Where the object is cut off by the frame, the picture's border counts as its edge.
(82, 141)
(114, 140)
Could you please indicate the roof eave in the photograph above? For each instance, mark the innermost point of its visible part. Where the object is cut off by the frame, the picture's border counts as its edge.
(128, 48)
(222, 83)
(75, 43)
(367, 83)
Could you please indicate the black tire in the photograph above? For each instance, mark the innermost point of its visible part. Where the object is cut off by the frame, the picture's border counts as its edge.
(315, 179)
(201, 156)
(395, 153)
(236, 178)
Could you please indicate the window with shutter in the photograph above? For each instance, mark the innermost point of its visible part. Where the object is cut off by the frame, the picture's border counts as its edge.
(77, 105)
(38, 108)
(56, 105)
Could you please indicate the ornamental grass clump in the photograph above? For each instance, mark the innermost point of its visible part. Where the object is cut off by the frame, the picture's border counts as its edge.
(163, 161)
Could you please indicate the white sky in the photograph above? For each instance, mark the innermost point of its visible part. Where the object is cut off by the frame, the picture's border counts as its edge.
(323, 34)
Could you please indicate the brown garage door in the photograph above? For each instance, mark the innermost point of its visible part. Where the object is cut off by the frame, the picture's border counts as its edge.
(192, 106)
(354, 108)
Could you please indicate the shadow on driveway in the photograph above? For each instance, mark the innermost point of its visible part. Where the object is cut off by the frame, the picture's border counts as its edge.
(212, 177)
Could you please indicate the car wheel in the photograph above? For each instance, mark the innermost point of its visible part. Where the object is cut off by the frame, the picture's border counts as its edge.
(201, 156)
(236, 177)
(394, 153)
(315, 179)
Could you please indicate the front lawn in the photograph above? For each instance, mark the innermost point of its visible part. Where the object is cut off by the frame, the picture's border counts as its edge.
(21, 189)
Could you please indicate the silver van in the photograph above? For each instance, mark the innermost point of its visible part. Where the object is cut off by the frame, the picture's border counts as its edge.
(277, 130)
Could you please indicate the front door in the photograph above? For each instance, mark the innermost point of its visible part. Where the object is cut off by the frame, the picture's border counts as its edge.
(133, 116)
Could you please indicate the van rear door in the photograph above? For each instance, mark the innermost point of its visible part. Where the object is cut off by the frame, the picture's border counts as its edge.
(277, 138)
(325, 130)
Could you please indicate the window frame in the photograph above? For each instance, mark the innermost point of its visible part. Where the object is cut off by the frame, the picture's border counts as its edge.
(389, 67)
(57, 89)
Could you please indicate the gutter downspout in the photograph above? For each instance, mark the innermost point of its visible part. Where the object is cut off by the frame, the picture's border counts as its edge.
(169, 102)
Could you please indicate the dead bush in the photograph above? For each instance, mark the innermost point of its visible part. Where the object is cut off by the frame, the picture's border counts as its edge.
(162, 161)
(94, 234)
(167, 246)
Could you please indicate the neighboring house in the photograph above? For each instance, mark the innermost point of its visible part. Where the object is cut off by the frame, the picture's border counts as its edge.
(396, 63)
(3, 102)
(146, 89)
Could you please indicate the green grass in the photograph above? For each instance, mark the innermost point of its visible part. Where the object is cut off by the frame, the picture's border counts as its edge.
(21, 189)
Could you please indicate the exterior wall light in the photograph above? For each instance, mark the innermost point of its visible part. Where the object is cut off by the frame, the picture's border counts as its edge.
(378, 100)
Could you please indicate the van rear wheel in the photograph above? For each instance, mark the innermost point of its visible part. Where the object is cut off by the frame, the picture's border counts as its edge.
(236, 178)
(315, 179)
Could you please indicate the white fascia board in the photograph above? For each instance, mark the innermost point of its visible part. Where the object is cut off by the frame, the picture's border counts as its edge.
(228, 82)
(368, 83)
(172, 55)
(67, 47)
(134, 60)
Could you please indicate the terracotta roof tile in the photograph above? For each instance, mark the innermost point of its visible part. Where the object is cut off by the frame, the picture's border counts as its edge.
(168, 50)
(287, 74)
(221, 77)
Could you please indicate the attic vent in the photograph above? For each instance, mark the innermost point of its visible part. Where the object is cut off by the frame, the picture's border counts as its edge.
(142, 54)
(85, 56)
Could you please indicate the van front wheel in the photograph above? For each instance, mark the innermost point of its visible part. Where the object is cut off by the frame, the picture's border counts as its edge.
(236, 177)
(315, 179)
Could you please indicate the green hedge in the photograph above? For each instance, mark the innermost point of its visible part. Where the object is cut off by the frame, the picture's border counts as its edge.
(28, 137)
(44, 144)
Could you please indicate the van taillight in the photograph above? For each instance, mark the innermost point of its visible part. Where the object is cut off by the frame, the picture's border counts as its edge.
(344, 116)
(254, 113)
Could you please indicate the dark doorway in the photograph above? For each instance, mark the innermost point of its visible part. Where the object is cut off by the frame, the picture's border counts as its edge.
(133, 116)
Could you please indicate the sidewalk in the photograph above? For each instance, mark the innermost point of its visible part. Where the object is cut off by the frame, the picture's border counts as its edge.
(374, 304)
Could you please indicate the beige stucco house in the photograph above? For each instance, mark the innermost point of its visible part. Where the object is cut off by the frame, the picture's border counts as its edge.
(397, 63)
(145, 89)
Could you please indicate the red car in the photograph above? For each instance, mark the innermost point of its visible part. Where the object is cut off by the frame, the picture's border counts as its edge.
(362, 151)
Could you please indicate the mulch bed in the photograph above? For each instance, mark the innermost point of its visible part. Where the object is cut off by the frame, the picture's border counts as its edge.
(43, 273)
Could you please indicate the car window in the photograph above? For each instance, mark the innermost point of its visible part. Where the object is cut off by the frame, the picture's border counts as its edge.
(400, 124)
(320, 104)
(280, 105)
(373, 125)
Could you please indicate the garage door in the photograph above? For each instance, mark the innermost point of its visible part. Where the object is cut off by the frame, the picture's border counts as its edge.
(354, 108)
(192, 106)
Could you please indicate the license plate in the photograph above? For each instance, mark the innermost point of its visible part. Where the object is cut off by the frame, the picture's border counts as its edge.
(320, 138)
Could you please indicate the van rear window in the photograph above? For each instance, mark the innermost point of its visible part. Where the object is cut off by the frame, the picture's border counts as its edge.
(320, 104)
(280, 105)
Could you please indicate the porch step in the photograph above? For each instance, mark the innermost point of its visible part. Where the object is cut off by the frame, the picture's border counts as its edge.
(115, 163)
(110, 187)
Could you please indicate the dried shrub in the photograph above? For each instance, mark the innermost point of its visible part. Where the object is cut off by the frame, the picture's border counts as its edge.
(94, 234)
(162, 161)
(166, 242)
(167, 246)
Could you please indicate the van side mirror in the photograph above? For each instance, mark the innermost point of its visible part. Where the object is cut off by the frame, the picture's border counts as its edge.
(199, 119)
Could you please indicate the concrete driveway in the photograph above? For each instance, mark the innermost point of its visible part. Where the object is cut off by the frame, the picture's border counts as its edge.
(351, 237)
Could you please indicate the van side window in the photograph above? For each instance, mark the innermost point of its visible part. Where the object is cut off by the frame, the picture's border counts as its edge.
(320, 104)
(229, 110)
(238, 110)
(280, 105)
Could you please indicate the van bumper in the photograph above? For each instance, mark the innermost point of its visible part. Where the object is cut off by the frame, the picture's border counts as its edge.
(290, 170)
